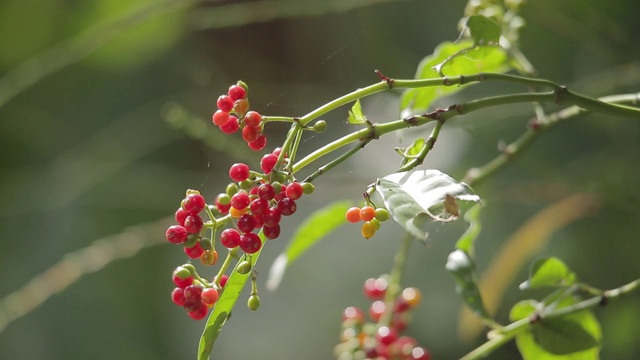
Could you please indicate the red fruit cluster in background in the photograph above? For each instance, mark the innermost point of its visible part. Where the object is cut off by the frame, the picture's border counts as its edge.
(189, 226)
(373, 340)
(233, 114)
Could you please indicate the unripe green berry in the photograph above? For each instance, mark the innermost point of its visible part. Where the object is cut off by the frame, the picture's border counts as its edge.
(225, 199)
(277, 187)
(191, 191)
(382, 214)
(206, 244)
(320, 126)
(232, 189)
(191, 241)
(235, 252)
(190, 268)
(254, 302)
(244, 267)
(182, 272)
(246, 185)
(308, 188)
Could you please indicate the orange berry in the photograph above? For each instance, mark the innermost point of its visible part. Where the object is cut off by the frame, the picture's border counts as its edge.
(411, 296)
(353, 215)
(367, 213)
(235, 213)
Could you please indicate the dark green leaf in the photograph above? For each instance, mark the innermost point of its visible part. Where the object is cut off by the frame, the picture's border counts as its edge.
(355, 114)
(574, 336)
(466, 241)
(313, 229)
(549, 272)
(461, 266)
(483, 30)
(451, 59)
(415, 197)
(562, 337)
(223, 307)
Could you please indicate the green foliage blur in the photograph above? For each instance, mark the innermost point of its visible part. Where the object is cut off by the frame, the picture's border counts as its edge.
(92, 96)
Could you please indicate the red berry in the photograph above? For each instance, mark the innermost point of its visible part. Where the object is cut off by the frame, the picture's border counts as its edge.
(192, 296)
(294, 191)
(277, 151)
(223, 208)
(199, 313)
(375, 289)
(195, 251)
(177, 296)
(266, 192)
(194, 204)
(240, 200)
(209, 296)
(182, 277)
(271, 232)
(259, 221)
(239, 172)
(386, 335)
(231, 126)
(404, 345)
(271, 217)
(420, 353)
(253, 119)
(259, 206)
(258, 144)
(220, 118)
(230, 238)
(246, 223)
(367, 213)
(353, 214)
(287, 206)
(376, 309)
(250, 243)
(180, 215)
(353, 313)
(193, 224)
(223, 280)
(236, 92)
(268, 162)
(250, 133)
(225, 103)
(176, 234)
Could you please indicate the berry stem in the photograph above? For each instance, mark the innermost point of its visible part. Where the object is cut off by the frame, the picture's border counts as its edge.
(328, 166)
(513, 150)
(223, 268)
(395, 277)
(277, 119)
(510, 331)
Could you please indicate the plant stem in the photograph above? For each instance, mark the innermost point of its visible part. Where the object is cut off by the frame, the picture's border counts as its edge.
(475, 176)
(508, 332)
(328, 166)
(393, 286)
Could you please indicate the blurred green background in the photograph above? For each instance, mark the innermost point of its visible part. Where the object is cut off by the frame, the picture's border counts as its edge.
(92, 94)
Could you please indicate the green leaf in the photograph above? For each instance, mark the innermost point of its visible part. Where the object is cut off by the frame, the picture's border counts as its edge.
(223, 307)
(575, 336)
(466, 241)
(452, 59)
(483, 30)
(462, 267)
(562, 337)
(313, 229)
(355, 114)
(417, 196)
(549, 272)
(412, 151)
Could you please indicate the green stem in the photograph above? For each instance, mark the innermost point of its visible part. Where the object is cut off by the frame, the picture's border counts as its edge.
(475, 176)
(321, 170)
(267, 119)
(510, 331)
(395, 277)
(419, 158)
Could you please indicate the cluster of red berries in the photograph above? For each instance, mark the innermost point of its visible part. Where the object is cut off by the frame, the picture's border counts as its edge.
(233, 113)
(193, 293)
(189, 228)
(257, 204)
(371, 216)
(370, 340)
